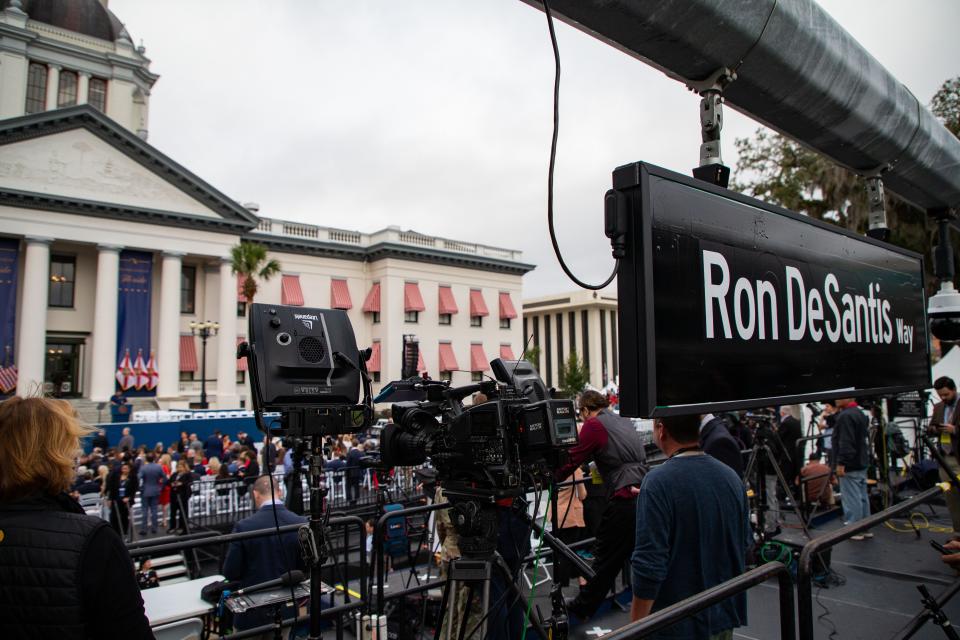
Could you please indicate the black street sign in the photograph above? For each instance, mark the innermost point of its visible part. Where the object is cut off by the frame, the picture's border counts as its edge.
(910, 404)
(727, 303)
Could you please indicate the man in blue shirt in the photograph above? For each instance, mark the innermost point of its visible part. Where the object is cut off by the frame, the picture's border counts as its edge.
(692, 533)
(152, 479)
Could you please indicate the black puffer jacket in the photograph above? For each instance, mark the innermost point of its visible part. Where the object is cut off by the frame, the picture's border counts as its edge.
(64, 574)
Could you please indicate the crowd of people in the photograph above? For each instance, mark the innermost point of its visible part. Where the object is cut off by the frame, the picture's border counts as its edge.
(689, 513)
(164, 477)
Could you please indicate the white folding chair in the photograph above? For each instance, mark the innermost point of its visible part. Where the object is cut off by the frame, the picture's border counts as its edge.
(189, 629)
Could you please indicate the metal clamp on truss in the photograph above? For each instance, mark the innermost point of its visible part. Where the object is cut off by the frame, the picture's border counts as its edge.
(711, 167)
(876, 210)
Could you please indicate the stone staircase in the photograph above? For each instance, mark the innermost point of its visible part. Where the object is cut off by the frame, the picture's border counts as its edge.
(87, 409)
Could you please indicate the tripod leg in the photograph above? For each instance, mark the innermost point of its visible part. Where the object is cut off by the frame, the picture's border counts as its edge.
(465, 615)
(786, 489)
(444, 600)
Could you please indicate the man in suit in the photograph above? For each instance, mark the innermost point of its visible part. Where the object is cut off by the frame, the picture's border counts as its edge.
(213, 447)
(716, 441)
(152, 478)
(257, 560)
(126, 442)
(944, 424)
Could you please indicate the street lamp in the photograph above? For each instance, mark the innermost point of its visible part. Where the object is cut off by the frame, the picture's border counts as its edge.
(204, 330)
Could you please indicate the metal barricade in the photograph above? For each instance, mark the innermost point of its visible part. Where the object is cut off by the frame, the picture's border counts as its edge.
(698, 602)
(829, 540)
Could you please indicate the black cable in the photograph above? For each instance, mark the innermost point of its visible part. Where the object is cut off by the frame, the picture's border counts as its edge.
(553, 161)
(276, 524)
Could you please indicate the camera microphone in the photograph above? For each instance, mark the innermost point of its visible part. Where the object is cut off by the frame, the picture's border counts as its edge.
(290, 578)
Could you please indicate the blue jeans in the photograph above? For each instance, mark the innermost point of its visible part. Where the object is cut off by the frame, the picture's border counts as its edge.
(148, 504)
(853, 487)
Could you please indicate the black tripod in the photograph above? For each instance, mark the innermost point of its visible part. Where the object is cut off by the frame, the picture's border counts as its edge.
(761, 455)
(476, 522)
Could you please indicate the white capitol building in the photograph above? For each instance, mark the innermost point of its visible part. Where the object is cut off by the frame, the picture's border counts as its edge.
(82, 194)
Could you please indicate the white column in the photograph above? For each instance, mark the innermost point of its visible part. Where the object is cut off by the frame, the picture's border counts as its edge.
(168, 340)
(104, 352)
(227, 348)
(53, 86)
(32, 342)
(83, 88)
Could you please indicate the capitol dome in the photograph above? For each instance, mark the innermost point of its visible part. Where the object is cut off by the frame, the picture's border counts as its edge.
(89, 17)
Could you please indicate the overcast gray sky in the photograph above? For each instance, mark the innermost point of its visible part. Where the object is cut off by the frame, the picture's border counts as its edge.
(435, 115)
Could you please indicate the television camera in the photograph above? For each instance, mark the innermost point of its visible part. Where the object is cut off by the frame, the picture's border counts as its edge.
(490, 451)
(305, 366)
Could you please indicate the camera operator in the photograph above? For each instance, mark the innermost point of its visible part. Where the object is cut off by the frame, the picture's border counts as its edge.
(613, 443)
(944, 423)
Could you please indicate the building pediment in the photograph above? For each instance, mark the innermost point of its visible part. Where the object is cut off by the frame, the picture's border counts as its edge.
(76, 160)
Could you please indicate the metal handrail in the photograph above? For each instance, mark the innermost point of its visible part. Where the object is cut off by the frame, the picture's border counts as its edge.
(700, 601)
(193, 543)
(831, 539)
(378, 540)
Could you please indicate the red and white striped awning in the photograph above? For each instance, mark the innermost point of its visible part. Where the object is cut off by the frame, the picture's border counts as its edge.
(477, 305)
(372, 303)
(478, 359)
(188, 353)
(448, 361)
(507, 312)
(412, 300)
(241, 362)
(447, 303)
(420, 365)
(373, 364)
(290, 292)
(506, 352)
(340, 295)
(240, 296)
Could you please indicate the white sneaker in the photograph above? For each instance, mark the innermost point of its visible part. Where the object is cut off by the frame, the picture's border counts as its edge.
(858, 537)
(868, 535)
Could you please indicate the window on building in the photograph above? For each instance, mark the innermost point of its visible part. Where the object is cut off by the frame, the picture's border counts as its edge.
(376, 376)
(476, 321)
(504, 323)
(36, 88)
(376, 317)
(186, 376)
(411, 316)
(241, 377)
(188, 289)
(446, 376)
(62, 275)
(67, 94)
(97, 94)
(241, 308)
(446, 318)
(476, 376)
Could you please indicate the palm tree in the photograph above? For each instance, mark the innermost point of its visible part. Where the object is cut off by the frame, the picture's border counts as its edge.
(249, 260)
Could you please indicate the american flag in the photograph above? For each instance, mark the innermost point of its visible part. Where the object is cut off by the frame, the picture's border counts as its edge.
(8, 379)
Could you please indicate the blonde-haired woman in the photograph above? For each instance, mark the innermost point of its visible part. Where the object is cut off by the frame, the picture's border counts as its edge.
(48, 541)
(166, 463)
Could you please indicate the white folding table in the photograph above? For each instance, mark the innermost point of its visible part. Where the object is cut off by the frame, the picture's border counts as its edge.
(173, 602)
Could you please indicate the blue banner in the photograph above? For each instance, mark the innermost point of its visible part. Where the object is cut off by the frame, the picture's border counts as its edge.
(133, 321)
(9, 269)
